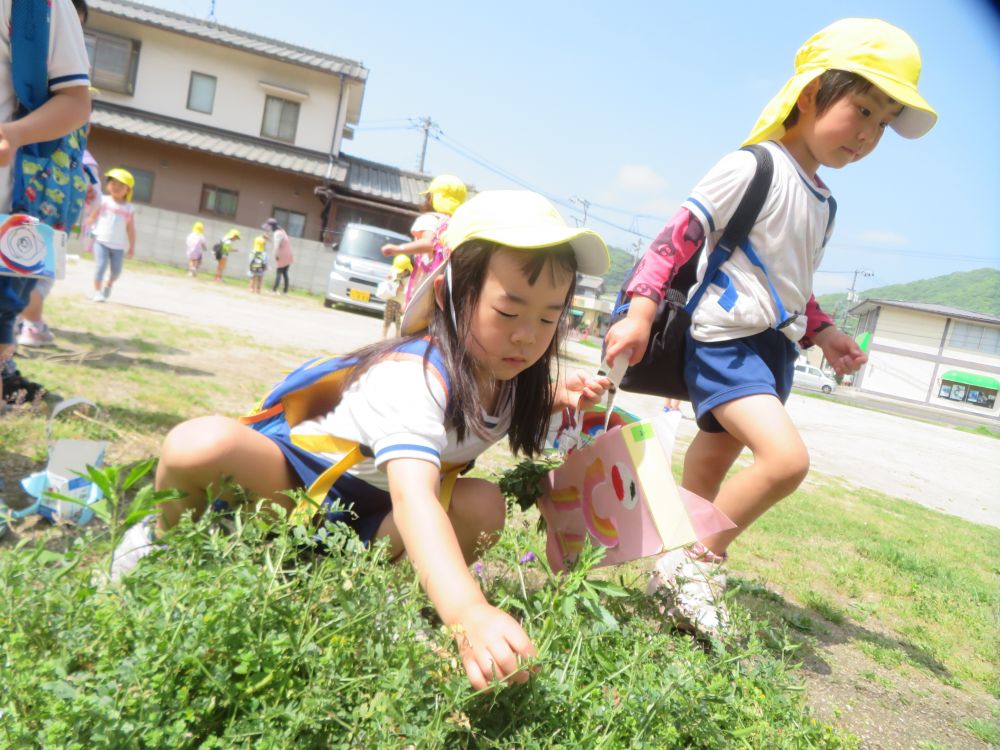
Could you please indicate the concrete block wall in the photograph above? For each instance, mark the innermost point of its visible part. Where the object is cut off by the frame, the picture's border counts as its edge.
(161, 236)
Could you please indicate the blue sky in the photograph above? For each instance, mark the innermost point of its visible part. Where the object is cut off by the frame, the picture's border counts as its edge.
(625, 105)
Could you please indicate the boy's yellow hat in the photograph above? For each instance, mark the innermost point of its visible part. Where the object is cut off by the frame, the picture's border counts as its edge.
(518, 219)
(402, 263)
(448, 192)
(876, 50)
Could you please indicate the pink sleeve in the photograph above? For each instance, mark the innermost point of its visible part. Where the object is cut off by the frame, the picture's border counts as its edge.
(676, 243)
(816, 321)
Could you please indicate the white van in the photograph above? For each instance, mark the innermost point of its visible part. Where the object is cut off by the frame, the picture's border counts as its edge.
(807, 376)
(358, 266)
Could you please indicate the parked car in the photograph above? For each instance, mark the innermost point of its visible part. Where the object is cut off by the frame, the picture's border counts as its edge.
(808, 376)
(358, 266)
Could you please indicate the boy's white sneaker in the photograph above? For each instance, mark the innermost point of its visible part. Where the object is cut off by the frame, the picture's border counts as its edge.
(135, 545)
(99, 296)
(693, 591)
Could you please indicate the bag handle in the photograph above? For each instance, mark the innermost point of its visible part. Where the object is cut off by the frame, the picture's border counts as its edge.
(63, 406)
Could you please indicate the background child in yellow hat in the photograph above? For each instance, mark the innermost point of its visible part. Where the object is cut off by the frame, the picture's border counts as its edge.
(196, 246)
(114, 230)
(428, 248)
(852, 80)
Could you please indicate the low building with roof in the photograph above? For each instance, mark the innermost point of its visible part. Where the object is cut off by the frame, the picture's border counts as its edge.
(930, 354)
(234, 127)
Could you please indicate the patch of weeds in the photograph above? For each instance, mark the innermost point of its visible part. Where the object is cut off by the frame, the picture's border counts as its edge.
(882, 655)
(987, 731)
(824, 607)
(873, 676)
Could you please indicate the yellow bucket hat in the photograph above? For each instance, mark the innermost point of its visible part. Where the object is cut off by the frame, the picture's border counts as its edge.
(124, 177)
(518, 219)
(876, 50)
(447, 193)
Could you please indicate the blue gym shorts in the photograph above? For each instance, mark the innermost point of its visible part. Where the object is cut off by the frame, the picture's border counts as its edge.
(723, 371)
(364, 506)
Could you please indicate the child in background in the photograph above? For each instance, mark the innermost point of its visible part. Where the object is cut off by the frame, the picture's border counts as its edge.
(257, 263)
(67, 109)
(196, 247)
(445, 194)
(852, 80)
(222, 249)
(114, 230)
(399, 275)
(492, 322)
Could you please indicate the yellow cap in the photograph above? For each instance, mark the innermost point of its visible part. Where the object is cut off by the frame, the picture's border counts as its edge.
(518, 219)
(123, 176)
(447, 193)
(233, 234)
(259, 243)
(402, 263)
(198, 227)
(878, 51)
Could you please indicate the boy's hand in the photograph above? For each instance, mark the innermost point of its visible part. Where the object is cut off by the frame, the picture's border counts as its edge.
(391, 250)
(492, 646)
(8, 145)
(840, 350)
(627, 334)
(130, 253)
(580, 391)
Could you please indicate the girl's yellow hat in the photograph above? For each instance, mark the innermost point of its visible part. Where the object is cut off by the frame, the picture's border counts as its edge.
(876, 50)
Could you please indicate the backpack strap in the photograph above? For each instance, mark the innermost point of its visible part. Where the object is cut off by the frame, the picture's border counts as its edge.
(738, 229)
(30, 21)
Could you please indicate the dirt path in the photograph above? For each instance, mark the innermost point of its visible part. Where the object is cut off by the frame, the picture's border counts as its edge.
(937, 466)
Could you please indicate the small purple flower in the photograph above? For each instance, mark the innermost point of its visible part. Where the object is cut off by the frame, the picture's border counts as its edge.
(478, 568)
(527, 557)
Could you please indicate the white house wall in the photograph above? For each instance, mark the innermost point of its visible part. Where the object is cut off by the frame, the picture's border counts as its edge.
(905, 329)
(166, 61)
(898, 376)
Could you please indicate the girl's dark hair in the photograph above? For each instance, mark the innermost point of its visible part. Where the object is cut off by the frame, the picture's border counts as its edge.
(834, 85)
(532, 390)
(82, 10)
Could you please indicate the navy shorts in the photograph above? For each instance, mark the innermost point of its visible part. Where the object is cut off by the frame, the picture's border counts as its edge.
(364, 506)
(723, 371)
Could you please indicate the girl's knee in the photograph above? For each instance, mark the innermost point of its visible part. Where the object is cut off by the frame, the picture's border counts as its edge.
(199, 442)
(480, 506)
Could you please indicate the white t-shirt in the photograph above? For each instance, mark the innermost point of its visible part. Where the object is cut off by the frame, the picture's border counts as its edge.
(110, 229)
(68, 66)
(398, 413)
(789, 237)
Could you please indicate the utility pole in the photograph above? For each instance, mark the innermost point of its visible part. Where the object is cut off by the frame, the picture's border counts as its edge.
(426, 124)
(852, 296)
(211, 11)
(586, 207)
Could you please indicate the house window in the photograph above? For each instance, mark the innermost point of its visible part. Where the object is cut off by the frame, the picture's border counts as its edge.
(201, 93)
(281, 118)
(291, 221)
(143, 190)
(219, 201)
(975, 338)
(975, 389)
(113, 61)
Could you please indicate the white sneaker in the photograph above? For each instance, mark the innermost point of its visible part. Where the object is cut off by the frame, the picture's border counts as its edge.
(135, 545)
(35, 334)
(693, 591)
(99, 296)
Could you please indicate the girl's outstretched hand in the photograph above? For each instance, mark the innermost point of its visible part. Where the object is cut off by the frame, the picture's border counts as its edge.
(492, 646)
(580, 391)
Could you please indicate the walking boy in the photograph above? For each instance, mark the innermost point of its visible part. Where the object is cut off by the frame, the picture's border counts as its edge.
(852, 80)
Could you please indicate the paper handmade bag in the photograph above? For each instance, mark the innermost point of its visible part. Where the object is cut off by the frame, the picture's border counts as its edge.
(619, 491)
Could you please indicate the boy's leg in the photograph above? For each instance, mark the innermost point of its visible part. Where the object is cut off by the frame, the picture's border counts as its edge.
(707, 460)
(219, 451)
(781, 462)
(477, 513)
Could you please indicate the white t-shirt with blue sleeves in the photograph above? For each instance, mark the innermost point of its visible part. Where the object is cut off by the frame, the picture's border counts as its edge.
(789, 237)
(68, 67)
(398, 412)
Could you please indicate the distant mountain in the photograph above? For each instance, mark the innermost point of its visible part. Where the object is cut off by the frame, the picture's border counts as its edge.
(621, 263)
(975, 291)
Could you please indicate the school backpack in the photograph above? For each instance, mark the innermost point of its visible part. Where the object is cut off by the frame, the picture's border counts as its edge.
(49, 181)
(257, 264)
(217, 250)
(314, 389)
(661, 370)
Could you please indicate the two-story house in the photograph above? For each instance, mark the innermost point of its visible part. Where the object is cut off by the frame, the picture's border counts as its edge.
(930, 354)
(223, 124)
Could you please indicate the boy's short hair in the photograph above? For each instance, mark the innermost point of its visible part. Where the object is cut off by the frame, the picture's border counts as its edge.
(834, 85)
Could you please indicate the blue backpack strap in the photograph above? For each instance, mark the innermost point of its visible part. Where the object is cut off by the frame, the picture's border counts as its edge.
(738, 229)
(30, 21)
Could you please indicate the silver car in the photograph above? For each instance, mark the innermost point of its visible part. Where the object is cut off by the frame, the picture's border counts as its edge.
(358, 266)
